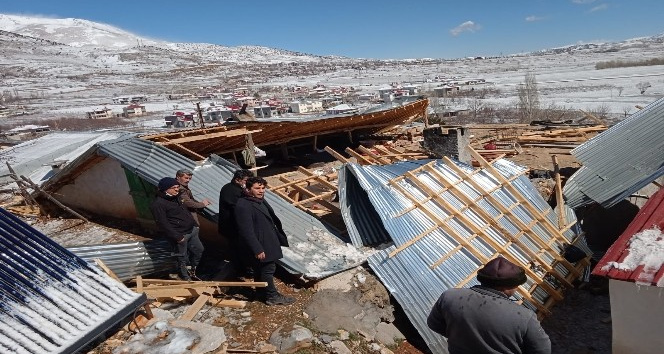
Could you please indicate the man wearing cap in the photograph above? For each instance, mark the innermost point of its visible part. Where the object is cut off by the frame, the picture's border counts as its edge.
(483, 319)
(177, 225)
(184, 176)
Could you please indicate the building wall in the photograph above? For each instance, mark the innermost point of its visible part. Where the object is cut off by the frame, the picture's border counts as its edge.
(637, 313)
(448, 141)
(102, 189)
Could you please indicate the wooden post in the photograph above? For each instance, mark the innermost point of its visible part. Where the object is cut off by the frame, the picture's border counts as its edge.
(252, 153)
(49, 197)
(350, 136)
(315, 143)
(21, 186)
(200, 114)
(560, 202)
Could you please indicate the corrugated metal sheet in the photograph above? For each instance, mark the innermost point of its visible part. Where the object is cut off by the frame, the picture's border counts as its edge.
(652, 214)
(129, 259)
(619, 161)
(50, 300)
(33, 158)
(409, 274)
(315, 251)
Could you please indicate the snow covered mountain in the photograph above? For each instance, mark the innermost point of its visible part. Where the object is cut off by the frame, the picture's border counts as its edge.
(90, 35)
(73, 32)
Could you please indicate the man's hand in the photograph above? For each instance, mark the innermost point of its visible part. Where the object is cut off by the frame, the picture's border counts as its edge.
(206, 202)
(260, 256)
(182, 239)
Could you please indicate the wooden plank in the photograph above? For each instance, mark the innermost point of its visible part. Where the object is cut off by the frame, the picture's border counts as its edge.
(147, 281)
(336, 155)
(106, 269)
(156, 292)
(139, 284)
(197, 305)
(507, 211)
(360, 159)
(235, 304)
(217, 135)
(503, 249)
(381, 160)
(560, 202)
(536, 214)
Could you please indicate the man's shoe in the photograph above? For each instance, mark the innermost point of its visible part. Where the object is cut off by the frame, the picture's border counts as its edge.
(280, 300)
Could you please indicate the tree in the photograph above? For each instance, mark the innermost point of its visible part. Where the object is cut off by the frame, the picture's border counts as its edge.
(528, 98)
(643, 86)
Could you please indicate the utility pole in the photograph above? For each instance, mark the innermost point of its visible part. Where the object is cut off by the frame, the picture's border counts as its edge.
(200, 114)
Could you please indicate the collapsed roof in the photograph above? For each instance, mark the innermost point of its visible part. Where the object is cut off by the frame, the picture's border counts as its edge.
(199, 143)
(619, 161)
(444, 220)
(315, 252)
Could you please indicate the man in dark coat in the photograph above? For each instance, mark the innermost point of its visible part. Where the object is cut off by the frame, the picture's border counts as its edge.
(184, 176)
(228, 197)
(261, 230)
(178, 226)
(483, 319)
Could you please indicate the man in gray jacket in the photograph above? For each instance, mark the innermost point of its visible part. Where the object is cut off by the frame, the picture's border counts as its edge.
(483, 319)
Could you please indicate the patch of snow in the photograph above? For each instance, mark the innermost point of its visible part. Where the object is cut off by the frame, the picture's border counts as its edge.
(646, 249)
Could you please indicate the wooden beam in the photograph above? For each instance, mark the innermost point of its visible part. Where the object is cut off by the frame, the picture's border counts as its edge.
(536, 214)
(197, 305)
(235, 304)
(336, 155)
(183, 284)
(106, 269)
(560, 202)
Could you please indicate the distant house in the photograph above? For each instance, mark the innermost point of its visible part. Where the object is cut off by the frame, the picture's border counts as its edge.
(133, 110)
(100, 113)
(180, 119)
(445, 90)
(306, 106)
(264, 111)
(412, 89)
(341, 109)
(129, 99)
(634, 265)
(367, 97)
(217, 113)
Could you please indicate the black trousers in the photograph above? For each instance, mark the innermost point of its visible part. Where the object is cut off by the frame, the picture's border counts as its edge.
(264, 271)
(189, 251)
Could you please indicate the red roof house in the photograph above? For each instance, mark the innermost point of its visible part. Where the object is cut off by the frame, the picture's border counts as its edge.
(634, 265)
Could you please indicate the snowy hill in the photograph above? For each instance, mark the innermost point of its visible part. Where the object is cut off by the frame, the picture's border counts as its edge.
(71, 31)
(90, 35)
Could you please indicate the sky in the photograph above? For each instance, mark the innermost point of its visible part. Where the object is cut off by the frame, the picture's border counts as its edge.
(386, 29)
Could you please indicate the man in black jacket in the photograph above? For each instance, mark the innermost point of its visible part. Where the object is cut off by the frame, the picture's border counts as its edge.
(261, 230)
(228, 197)
(178, 226)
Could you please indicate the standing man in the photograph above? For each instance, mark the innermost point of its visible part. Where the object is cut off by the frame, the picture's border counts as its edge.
(483, 319)
(184, 176)
(261, 230)
(228, 197)
(177, 224)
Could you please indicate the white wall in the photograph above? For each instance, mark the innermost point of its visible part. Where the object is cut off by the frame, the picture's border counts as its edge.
(102, 189)
(637, 314)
